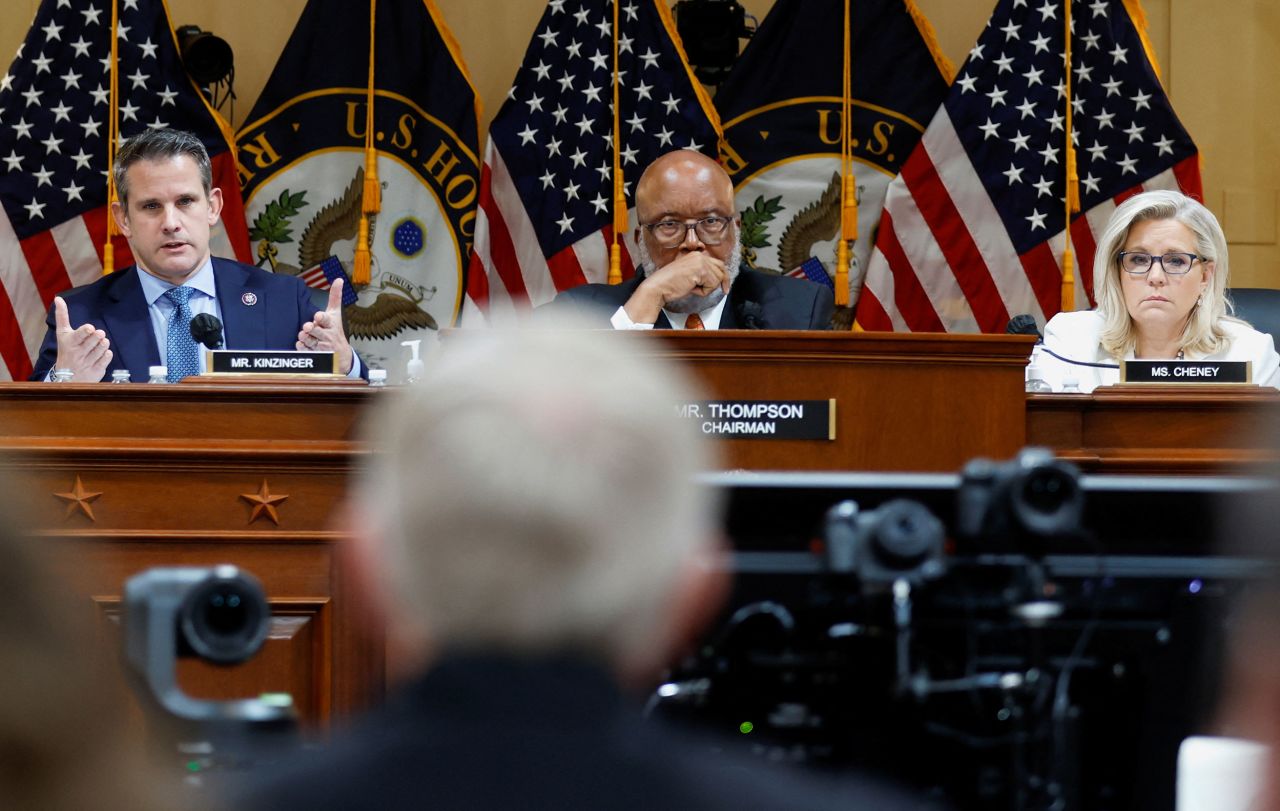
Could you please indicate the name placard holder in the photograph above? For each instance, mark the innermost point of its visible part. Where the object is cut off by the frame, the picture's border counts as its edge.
(764, 419)
(1186, 371)
(235, 362)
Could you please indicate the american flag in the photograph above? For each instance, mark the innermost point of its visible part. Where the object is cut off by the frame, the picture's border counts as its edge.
(54, 113)
(813, 270)
(973, 232)
(323, 275)
(545, 218)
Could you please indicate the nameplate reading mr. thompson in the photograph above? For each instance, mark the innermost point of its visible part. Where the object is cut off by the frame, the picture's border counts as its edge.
(1186, 371)
(263, 362)
(764, 419)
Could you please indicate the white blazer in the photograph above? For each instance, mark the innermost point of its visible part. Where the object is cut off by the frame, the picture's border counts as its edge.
(1075, 335)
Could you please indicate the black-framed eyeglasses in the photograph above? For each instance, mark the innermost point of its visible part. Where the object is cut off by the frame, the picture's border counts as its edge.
(1173, 264)
(669, 233)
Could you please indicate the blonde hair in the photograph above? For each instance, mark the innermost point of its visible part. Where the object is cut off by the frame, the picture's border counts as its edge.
(535, 492)
(1203, 333)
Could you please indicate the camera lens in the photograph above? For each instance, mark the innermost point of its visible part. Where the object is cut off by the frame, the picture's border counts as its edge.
(224, 611)
(225, 618)
(1049, 501)
(905, 534)
(1044, 490)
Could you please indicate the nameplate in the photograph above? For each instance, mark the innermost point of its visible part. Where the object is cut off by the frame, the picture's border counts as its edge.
(1186, 371)
(764, 419)
(267, 362)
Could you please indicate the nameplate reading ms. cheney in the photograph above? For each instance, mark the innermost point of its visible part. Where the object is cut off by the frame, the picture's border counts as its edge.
(1186, 371)
(764, 419)
(264, 362)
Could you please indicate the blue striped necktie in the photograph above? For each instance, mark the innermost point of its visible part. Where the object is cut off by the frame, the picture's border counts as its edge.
(183, 360)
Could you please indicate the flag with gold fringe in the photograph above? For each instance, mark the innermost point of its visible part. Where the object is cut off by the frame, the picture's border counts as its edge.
(58, 114)
(549, 209)
(783, 112)
(359, 160)
(974, 228)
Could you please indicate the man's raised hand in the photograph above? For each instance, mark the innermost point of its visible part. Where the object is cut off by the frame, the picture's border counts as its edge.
(84, 350)
(324, 333)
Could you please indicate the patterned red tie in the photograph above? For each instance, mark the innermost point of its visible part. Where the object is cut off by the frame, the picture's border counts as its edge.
(694, 321)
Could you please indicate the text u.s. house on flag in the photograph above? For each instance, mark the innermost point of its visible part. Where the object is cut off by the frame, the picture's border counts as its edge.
(324, 177)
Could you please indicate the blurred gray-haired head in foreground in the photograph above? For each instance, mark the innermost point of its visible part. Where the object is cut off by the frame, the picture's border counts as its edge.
(64, 741)
(535, 492)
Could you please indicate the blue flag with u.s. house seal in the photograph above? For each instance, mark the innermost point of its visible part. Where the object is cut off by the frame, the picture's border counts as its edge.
(781, 108)
(302, 166)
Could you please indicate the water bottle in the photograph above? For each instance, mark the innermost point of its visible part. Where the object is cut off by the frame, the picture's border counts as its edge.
(158, 374)
(120, 376)
(378, 378)
(1070, 384)
(61, 375)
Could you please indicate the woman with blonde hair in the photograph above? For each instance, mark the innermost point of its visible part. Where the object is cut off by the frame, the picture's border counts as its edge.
(1160, 280)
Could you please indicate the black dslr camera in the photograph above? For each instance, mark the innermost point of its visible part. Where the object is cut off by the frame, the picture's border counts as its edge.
(899, 539)
(1018, 505)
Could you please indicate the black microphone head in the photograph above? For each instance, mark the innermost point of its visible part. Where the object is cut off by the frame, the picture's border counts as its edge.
(1023, 324)
(207, 330)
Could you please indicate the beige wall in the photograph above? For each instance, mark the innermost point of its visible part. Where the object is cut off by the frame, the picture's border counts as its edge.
(1218, 60)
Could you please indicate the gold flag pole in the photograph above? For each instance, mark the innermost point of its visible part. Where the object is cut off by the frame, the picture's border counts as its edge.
(848, 192)
(371, 203)
(619, 189)
(113, 130)
(1073, 178)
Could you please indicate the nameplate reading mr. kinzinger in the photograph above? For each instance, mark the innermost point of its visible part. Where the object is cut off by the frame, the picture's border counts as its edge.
(264, 362)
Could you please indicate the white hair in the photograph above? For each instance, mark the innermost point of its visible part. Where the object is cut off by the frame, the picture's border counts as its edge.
(535, 491)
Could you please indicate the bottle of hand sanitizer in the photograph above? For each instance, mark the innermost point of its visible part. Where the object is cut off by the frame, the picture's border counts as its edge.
(415, 368)
(1036, 383)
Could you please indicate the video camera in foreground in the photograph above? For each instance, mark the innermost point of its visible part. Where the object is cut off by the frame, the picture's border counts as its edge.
(1017, 636)
(218, 614)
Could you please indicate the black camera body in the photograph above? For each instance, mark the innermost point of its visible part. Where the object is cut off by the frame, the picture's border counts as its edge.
(900, 539)
(1017, 505)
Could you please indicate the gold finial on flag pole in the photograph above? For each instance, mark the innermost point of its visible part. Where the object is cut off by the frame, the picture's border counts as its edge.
(848, 190)
(113, 135)
(371, 202)
(1072, 176)
(619, 189)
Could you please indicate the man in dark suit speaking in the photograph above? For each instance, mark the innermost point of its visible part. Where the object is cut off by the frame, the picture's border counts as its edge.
(690, 251)
(140, 316)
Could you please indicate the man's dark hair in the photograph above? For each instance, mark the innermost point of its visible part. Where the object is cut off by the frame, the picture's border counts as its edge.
(160, 144)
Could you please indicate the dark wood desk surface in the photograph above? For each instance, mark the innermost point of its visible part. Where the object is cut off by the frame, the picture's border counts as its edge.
(123, 478)
(1159, 429)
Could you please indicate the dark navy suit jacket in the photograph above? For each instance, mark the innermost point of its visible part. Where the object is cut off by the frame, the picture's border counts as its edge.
(756, 301)
(260, 310)
(495, 732)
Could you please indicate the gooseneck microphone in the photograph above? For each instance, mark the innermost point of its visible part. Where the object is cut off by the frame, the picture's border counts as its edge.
(207, 329)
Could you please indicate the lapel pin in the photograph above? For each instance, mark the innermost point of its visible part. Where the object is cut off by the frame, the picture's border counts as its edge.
(249, 299)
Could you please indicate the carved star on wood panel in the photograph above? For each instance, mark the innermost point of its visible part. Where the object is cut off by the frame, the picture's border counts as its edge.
(264, 503)
(79, 500)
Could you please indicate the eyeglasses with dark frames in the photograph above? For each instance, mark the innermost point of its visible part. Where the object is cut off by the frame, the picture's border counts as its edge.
(670, 233)
(1174, 263)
